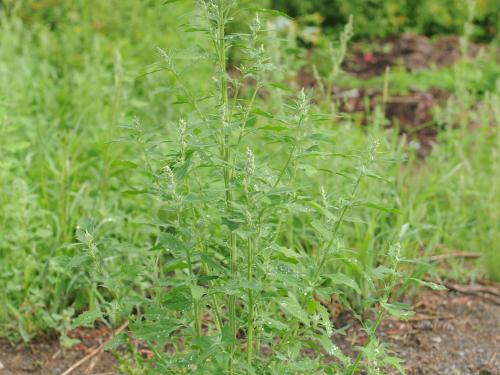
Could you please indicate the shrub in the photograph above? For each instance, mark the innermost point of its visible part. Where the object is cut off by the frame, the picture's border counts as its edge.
(381, 18)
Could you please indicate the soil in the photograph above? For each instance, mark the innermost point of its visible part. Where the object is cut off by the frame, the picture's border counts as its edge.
(44, 356)
(414, 52)
(453, 332)
(412, 114)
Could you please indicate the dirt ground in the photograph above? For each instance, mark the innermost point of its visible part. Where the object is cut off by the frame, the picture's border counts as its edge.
(414, 52)
(453, 332)
(411, 113)
(44, 356)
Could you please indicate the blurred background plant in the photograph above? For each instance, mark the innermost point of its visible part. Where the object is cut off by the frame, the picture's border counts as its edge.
(382, 18)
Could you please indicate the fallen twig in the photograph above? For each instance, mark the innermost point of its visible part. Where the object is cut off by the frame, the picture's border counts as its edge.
(420, 317)
(458, 254)
(94, 352)
(473, 288)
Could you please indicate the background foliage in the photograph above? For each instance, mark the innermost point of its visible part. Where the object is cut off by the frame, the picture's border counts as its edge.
(381, 18)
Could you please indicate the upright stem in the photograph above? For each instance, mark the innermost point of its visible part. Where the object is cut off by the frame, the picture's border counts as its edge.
(226, 156)
(338, 223)
(196, 303)
(250, 326)
(291, 154)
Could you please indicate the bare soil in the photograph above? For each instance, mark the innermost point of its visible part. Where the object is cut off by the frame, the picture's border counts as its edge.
(454, 332)
(412, 113)
(44, 356)
(414, 52)
(451, 332)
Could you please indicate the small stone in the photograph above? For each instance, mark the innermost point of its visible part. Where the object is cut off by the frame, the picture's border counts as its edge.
(437, 339)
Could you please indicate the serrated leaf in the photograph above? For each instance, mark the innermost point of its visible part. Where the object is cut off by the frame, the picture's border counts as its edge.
(86, 318)
(394, 362)
(270, 11)
(333, 349)
(175, 265)
(429, 284)
(116, 341)
(197, 291)
(179, 299)
(227, 338)
(291, 307)
(171, 242)
(398, 310)
(261, 112)
(77, 261)
(341, 279)
(321, 228)
(274, 127)
(286, 252)
(156, 331)
(274, 324)
(379, 207)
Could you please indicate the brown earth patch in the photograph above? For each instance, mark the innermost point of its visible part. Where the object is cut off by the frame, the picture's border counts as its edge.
(44, 356)
(451, 333)
(455, 332)
(414, 52)
(412, 113)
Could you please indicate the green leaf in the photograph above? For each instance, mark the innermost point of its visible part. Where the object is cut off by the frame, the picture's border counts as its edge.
(394, 362)
(77, 261)
(171, 242)
(261, 112)
(321, 229)
(159, 331)
(398, 310)
(175, 265)
(197, 291)
(291, 307)
(274, 324)
(274, 127)
(179, 299)
(429, 284)
(341, 279)
(286, 252)
(333, 349)
(116, 341)
(86, 318)
(227, 338)
(378, 207)
(270, 11)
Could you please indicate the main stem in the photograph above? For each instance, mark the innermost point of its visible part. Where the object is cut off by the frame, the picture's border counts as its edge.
(250, 327)
(226, 156)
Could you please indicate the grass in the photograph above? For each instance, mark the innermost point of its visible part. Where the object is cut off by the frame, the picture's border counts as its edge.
(146, 180)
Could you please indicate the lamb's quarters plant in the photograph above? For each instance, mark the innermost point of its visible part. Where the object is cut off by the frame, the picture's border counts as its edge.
(247, 243)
